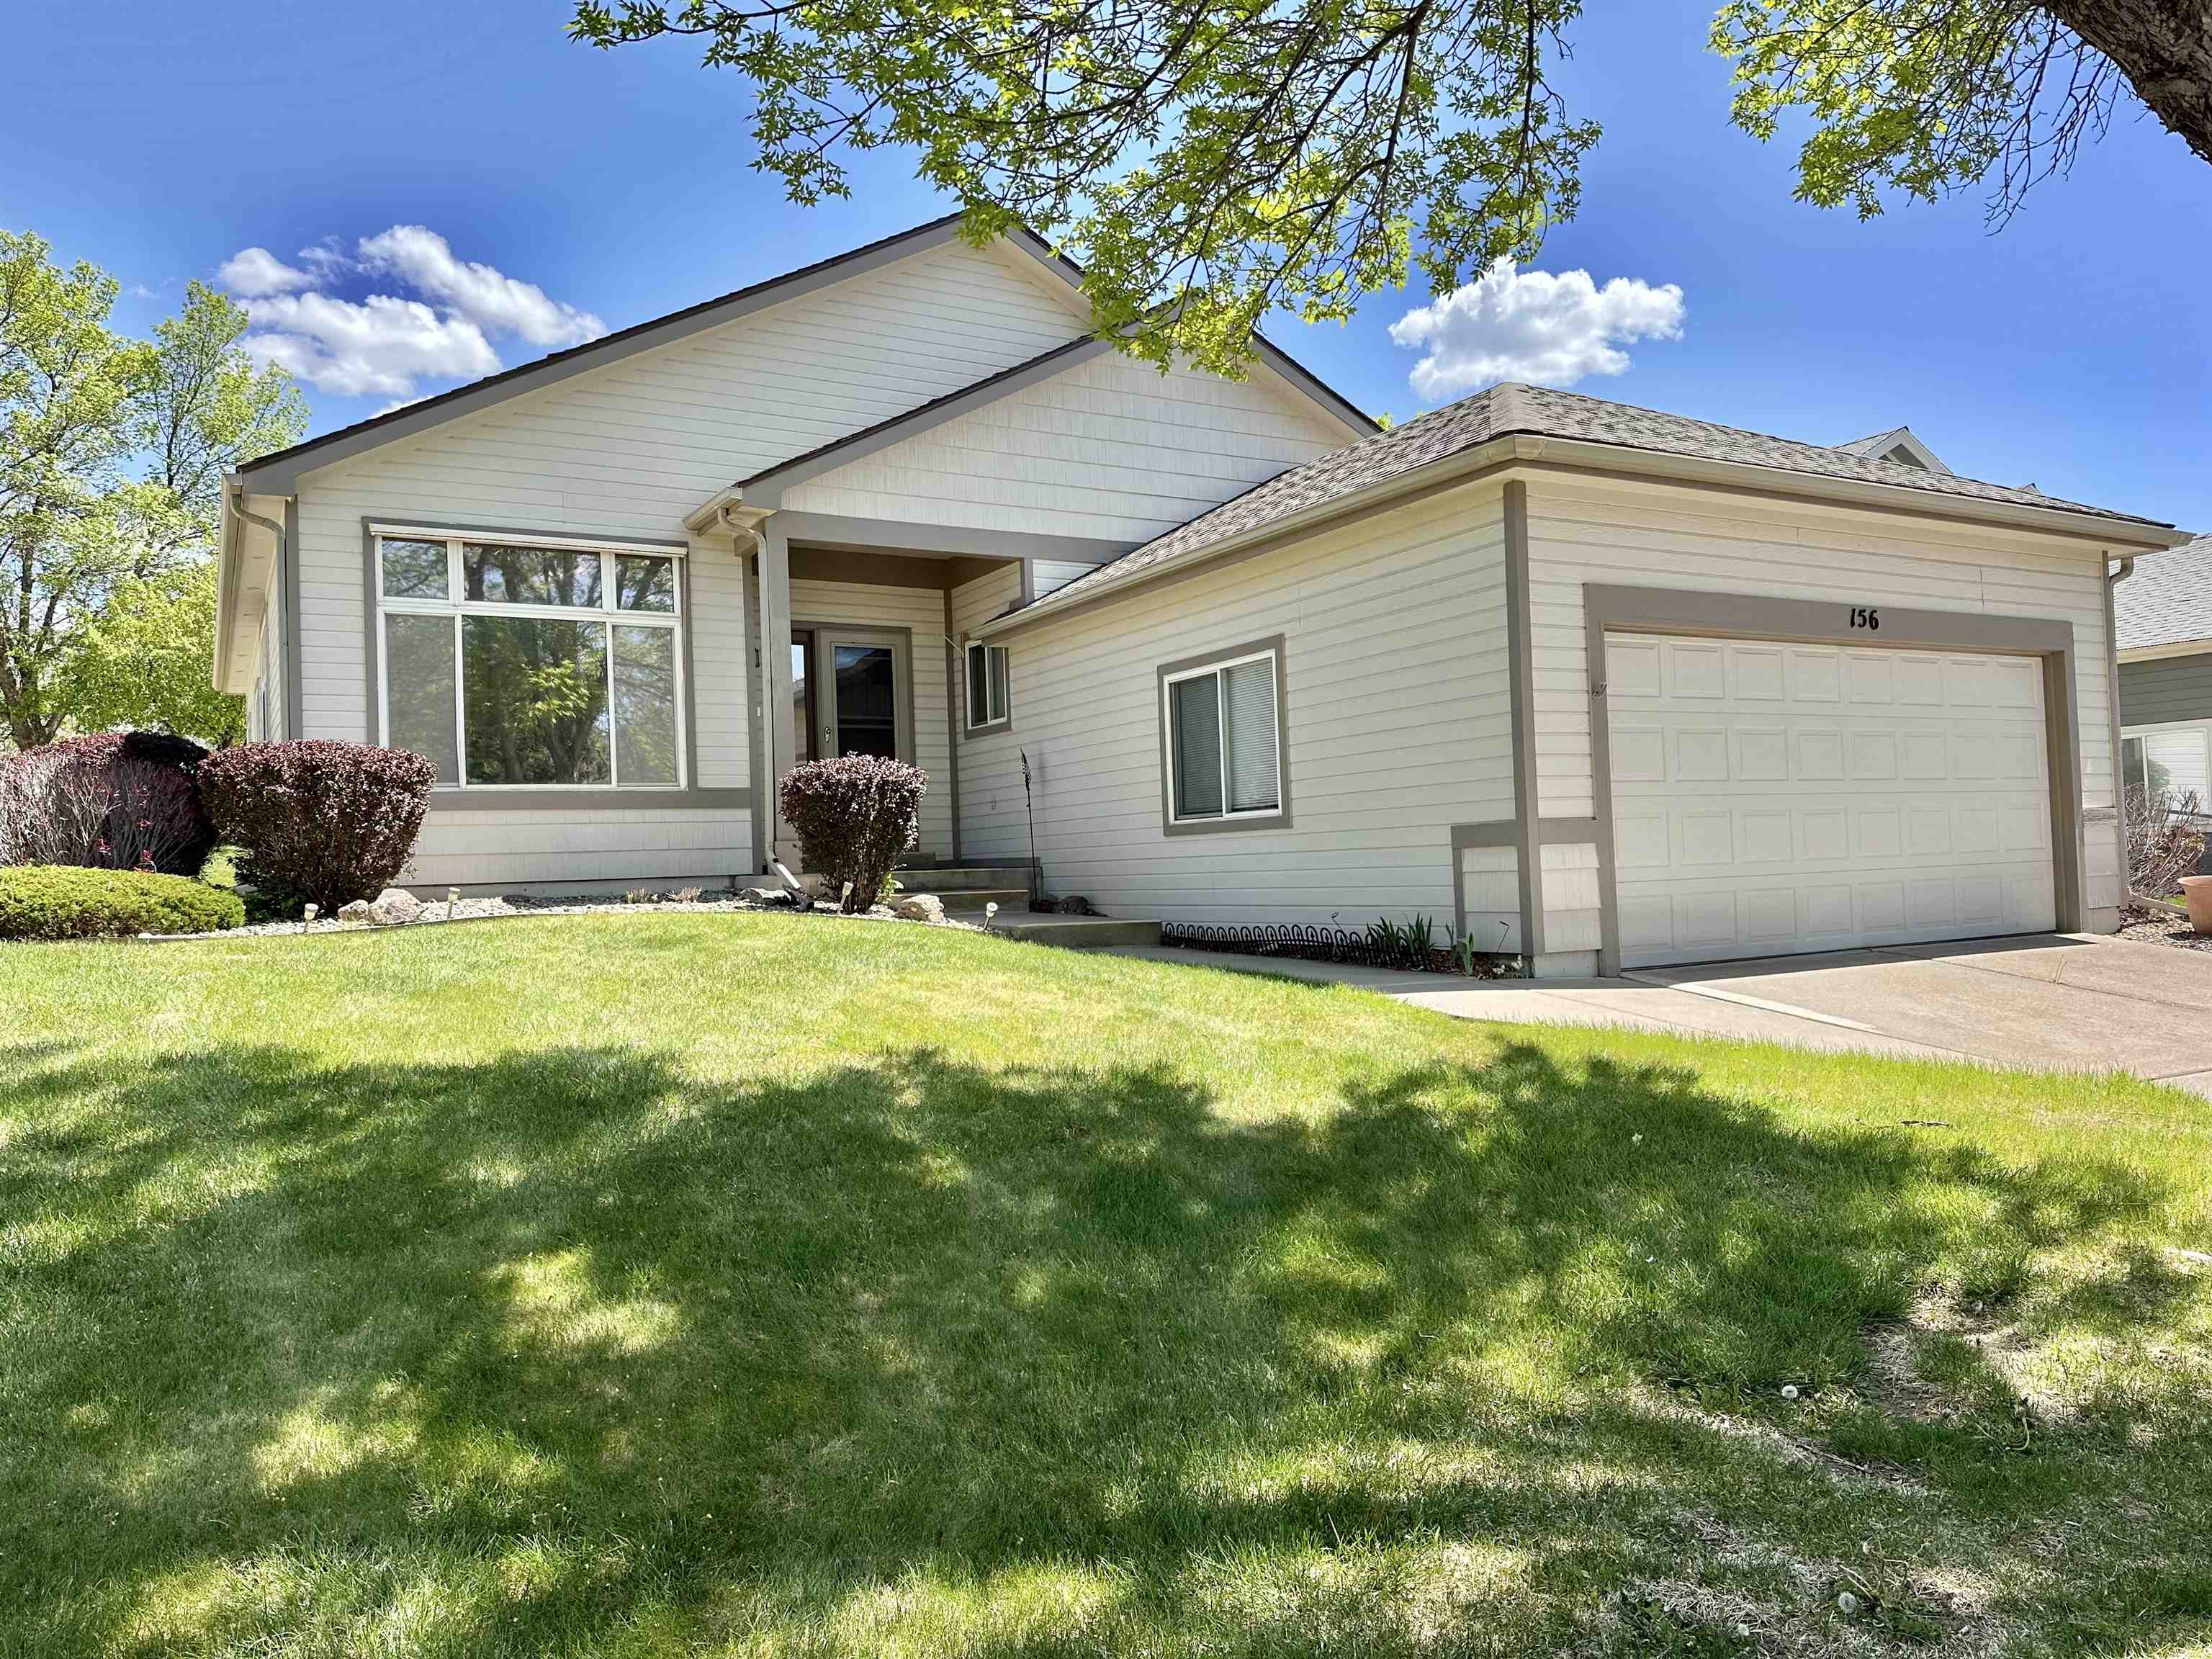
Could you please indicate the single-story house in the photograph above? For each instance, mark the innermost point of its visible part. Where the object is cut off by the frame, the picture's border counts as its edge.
(1589, 682)
(2162, 626)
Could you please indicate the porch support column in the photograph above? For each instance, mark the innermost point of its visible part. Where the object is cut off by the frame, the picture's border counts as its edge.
(778, 742)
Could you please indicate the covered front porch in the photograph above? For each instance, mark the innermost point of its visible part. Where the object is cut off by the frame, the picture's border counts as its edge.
(857, 631)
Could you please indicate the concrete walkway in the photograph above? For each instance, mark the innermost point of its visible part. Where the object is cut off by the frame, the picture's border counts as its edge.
(2068, 1002)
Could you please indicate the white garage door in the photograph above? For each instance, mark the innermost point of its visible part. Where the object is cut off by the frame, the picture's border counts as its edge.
(1771, 798)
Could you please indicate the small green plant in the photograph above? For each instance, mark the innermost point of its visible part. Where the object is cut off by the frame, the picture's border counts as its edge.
(1461, 946)
(1409, 944)
(54, 901)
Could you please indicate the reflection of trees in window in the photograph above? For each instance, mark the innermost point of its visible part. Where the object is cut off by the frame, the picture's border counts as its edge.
(418, 676)
(529, 575)
(536, 707)
(645, 704)
(642, 584)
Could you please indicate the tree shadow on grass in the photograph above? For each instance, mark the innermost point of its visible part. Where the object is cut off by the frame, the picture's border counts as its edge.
(570, 1344)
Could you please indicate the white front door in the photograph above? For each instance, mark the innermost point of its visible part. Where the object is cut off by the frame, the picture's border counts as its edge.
(1771, 798)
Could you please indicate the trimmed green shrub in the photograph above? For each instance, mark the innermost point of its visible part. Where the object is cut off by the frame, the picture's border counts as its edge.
(854, 814)
(64, 901)
(108, 802)
(319, 823)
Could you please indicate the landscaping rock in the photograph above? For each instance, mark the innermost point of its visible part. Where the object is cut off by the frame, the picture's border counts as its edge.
(393, 906)
(767, 894)
(356, 912)
(920, 907)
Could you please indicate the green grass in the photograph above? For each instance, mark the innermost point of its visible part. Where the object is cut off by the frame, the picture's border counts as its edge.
(666, 1285)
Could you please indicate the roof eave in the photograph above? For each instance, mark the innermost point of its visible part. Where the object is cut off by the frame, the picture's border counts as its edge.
(1516, 448)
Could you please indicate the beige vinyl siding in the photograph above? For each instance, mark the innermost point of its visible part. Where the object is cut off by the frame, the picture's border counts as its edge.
(266, 713)
(920, 609)
(722, 624)
(627, 451)
(1053, 574)
(1647, 535)
(985, 598)
(1110, 448)
(1395, 665)
(642, 846)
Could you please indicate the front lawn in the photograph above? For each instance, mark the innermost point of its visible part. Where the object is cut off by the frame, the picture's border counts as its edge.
(657, 1285)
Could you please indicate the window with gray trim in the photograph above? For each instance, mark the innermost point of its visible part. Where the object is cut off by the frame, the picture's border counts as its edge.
(1225, 740)
(987, 686)
(529, 663)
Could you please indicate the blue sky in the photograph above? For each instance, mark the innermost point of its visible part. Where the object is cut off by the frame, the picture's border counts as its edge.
(2074, 350)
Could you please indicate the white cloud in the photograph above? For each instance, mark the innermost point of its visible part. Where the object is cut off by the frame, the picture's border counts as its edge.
(1534, 325)
(254, 271)
(378, 346)
(439, 326)
(488, 298)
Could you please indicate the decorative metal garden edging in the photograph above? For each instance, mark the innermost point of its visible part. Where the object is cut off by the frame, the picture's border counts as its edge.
(1312, 944)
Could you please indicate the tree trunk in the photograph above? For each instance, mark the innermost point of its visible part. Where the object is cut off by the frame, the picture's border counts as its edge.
(2164, 49)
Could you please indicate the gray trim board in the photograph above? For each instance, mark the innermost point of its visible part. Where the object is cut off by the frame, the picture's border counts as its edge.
(1520, 654)
(901, 641)
(958, 687)
(294, 716)
(1280, 820)
(517, 798)
(766, 488)
(776, 674)
(894, 535)
(1610, 609)
(279, 473)
(954, 659)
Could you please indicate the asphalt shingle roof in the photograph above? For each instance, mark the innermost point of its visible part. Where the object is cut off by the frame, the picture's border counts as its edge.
(1538, 412)
(2168, 600)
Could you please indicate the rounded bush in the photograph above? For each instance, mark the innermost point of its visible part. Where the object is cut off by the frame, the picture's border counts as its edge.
(63, 900)
(318, 822)
(854, 814)
(127, 801)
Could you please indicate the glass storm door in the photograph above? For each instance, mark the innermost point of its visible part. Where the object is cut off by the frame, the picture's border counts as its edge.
(854, 699)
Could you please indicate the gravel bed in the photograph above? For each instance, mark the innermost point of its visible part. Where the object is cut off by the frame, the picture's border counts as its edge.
(2163, 927)
(439, 913)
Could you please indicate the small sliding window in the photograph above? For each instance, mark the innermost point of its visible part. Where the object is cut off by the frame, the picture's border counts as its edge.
(987, 686)
(1225, 741)
(513, 662)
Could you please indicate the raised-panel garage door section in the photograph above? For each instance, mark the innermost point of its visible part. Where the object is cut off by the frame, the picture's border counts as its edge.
(1771, 798)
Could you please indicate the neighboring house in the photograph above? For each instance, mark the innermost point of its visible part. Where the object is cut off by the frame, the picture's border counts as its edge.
(2162, 625)
(1607, 686)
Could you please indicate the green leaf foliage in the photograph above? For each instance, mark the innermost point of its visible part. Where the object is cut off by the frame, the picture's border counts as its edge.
(147, 661)
(1208, 162)
(1205, 162)
(112, 457)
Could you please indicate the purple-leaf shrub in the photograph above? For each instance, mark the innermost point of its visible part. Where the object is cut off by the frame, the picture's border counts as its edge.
(319, 821)
(106, 802)
(854, 814)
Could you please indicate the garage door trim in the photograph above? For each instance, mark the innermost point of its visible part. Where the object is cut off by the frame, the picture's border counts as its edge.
(1608, 609)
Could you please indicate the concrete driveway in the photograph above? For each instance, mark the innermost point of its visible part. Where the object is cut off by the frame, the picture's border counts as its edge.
(2060, 1001)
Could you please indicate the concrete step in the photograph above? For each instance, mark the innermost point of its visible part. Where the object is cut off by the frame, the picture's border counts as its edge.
(964, 878)
(963, 900)
(1079, 932)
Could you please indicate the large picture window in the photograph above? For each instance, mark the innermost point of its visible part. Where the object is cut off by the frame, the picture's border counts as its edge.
(531, 664)
(1223, 737)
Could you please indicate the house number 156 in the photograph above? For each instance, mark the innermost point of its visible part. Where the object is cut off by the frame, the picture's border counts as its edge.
(1865, 615)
